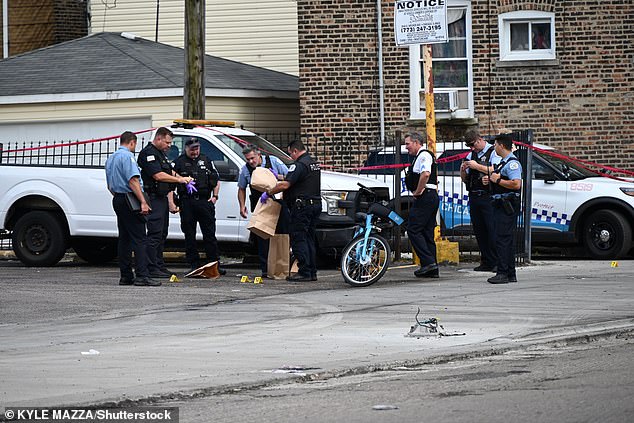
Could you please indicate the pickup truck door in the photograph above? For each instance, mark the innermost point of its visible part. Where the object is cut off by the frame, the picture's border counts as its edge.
(227, 210)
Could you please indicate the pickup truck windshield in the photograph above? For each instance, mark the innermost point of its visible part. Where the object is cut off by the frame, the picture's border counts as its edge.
(261, 144)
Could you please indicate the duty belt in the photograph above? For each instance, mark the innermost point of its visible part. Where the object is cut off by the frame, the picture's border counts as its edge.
(478, 192)
(505, 195)
(303, 202)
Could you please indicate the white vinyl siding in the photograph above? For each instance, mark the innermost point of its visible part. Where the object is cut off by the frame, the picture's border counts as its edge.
(258, 33)
(258, 115)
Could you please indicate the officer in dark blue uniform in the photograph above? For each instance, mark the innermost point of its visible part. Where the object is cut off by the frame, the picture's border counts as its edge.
(476, 165)
(302, 194)
(198, 207)
(159, 181)
(122, 176)
(506, 184)
(422, 180)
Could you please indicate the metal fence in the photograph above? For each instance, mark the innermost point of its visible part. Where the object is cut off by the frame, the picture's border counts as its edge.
(334, 154)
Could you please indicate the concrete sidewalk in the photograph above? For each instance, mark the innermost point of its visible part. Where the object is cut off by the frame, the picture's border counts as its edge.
(235, 335)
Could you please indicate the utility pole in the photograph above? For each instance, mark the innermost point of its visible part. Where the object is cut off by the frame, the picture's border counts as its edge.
(194, 88)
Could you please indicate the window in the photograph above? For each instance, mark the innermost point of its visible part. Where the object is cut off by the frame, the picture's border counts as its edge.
(451, 68)
(227, 169)
(527, 35)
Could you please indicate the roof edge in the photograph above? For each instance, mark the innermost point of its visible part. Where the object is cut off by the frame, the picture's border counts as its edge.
(143, 94)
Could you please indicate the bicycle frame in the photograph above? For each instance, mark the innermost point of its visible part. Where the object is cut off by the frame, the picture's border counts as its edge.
(363, 254)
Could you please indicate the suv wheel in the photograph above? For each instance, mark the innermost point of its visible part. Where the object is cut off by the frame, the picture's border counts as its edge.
(607, 235)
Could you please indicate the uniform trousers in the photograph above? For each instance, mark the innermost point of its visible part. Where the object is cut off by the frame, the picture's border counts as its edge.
(481, 212)
(302, 225)
(132, 237)
(198, 210)
(263, 244)
(505, 225)
(421, 224)
(157, 226)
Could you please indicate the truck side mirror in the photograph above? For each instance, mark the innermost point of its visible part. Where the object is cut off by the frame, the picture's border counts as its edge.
(228, 171)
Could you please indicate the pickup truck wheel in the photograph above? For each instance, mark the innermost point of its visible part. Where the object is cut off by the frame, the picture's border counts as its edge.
(606, 235)
(39, 239)
(95, 251)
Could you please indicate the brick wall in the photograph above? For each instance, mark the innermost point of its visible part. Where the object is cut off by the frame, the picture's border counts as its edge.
(583, 105)
(35, 24)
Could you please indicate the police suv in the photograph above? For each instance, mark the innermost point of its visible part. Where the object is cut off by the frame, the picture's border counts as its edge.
(570, 204)
(48, 206)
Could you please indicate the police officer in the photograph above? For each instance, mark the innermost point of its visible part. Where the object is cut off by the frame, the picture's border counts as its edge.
(302, 194)
(506, 183)
(255, 159)
(476, 165)
(198, 206)
(422, 180)
(122, 176)
(159, 180)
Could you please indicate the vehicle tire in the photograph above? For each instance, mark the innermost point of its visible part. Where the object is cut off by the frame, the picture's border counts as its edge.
(358, 273)
(607, 235)
(39, 239)
(95, 250)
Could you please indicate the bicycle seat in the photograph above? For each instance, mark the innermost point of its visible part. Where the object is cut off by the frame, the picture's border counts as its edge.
(360, 217)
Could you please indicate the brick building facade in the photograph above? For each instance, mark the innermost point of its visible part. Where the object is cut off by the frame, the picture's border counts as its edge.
(34, 24)
(581, 100)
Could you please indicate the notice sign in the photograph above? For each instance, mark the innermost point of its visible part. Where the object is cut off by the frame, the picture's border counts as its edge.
(420, 22)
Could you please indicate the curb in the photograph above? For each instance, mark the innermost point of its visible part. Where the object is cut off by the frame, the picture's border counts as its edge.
(561, 336)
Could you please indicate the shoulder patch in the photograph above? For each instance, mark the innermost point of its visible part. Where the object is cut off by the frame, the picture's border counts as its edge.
(150, 158)
(291, 168)
(514, 165)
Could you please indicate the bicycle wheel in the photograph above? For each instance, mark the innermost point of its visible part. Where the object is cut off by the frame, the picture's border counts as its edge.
(358, 271)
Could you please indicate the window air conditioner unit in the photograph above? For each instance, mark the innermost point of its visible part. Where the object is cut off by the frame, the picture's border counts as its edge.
(446, 101)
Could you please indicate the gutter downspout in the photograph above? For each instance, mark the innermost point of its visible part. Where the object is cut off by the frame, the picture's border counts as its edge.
(379, 24)
(5, 29)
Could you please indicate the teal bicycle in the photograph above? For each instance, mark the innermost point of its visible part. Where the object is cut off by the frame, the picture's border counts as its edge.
(366, 258)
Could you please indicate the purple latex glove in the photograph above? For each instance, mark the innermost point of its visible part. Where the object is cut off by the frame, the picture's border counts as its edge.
(191, 187)
(264, 197)
(274, 172)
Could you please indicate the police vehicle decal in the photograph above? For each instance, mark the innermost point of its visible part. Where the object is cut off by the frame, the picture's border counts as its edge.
(548, 218)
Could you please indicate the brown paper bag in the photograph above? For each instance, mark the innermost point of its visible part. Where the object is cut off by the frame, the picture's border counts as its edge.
(264, 219)
(263, 179)
(209, 271)
(279, 256)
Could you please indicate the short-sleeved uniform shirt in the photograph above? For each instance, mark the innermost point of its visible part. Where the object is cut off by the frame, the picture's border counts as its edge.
(493, 159)
(423, 162)
(244, 178)
(120, 168)
(511, 169)
(152, 161)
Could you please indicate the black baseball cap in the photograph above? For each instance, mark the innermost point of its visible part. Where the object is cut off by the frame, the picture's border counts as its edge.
(192, 142)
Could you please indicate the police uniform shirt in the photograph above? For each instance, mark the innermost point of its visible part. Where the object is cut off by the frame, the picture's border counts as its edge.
(120, 168)
(304, 177)
(244, 178)
(186, 166)
(149, 161)
(423, 162)
(511, 169)
(493, 159)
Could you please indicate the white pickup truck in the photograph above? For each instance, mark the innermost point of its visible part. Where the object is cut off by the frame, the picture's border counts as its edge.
(55, 198)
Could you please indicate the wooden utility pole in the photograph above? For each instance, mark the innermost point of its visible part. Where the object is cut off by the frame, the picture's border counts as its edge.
(430, 114)
(194, 88)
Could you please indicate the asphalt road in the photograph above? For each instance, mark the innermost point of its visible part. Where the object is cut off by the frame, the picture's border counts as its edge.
(203, 338)
(588, 382)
